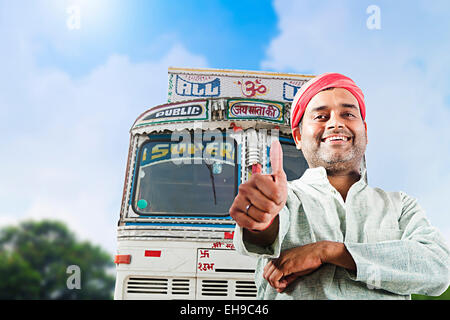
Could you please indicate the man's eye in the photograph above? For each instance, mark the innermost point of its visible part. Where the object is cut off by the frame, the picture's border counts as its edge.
(348, 114)
(320, 117)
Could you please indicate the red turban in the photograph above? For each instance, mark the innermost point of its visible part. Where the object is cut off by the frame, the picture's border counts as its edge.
(319, 83)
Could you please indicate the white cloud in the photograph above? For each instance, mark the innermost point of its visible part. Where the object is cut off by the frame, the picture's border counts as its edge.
(64, 139)
(405, 80)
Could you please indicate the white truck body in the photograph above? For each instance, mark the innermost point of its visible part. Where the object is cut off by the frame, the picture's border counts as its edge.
(175, 236)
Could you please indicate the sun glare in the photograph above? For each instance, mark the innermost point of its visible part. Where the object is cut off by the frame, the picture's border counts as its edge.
(96, 14)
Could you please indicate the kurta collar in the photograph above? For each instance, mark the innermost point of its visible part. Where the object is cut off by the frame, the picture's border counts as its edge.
(319, 176)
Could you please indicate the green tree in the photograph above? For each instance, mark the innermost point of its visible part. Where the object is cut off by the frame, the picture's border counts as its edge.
(34, 257)
(444, 296)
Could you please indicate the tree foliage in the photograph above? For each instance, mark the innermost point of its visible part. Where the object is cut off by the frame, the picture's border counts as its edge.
(34, 257)
(444, 296)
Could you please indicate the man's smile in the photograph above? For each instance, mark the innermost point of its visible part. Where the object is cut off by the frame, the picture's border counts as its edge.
(336, 139)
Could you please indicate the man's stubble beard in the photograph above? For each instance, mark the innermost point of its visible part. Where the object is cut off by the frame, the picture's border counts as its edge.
(335, 162)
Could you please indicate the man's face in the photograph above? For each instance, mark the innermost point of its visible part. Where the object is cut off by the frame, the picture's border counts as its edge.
(333, 134)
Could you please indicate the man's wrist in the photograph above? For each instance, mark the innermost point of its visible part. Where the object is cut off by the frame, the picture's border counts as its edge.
(336, 253)
(327, 251)
(264, 237)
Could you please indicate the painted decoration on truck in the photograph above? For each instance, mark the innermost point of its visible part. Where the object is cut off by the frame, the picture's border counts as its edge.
(252, 88)
(187, 152)
(180, 111)
(290, 89)
(200, 86)
(186, 83)
(255, 109)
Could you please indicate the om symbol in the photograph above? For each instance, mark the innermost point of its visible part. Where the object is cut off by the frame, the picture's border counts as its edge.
(251, 88)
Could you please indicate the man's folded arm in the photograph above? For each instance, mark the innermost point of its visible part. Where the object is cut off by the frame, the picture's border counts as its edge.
(417, 263)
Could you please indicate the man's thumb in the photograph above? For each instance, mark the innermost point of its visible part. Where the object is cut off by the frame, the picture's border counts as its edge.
(276, 158)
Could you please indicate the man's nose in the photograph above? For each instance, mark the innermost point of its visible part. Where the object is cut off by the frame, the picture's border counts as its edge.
(334, 122)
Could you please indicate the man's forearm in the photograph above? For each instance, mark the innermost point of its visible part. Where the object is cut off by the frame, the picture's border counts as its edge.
(263, 238)
(336, 253)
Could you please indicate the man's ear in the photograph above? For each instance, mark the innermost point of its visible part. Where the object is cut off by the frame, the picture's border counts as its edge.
(365, 125)
(297, 137)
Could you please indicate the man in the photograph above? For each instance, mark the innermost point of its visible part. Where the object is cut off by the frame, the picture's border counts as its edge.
(328, 235)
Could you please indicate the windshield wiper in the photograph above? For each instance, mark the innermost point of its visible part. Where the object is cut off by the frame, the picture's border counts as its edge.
(211, 175)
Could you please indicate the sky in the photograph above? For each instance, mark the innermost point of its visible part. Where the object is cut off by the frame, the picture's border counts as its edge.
(71, 89)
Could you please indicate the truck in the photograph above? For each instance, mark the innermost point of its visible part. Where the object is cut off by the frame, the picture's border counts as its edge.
(186, 160)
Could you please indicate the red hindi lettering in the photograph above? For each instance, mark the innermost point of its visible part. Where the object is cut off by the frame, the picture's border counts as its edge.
(270, 111)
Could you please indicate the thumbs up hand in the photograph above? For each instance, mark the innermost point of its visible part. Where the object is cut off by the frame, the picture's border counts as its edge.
(261, 198)
(276, 161)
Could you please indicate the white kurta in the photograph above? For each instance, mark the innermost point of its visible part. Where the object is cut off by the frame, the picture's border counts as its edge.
(396, 250)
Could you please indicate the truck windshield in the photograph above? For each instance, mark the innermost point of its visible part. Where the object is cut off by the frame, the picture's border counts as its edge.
(294, 164)
(184, 178)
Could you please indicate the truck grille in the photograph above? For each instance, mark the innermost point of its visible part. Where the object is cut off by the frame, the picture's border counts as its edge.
(139, 287)
(227, 289)
(215, 288)
(245, 289)
(158, 286)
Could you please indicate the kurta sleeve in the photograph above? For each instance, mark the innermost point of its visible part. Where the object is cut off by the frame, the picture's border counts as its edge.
(417, 263)
(272, 251)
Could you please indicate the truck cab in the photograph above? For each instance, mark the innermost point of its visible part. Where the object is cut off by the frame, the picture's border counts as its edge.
(186, 160)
